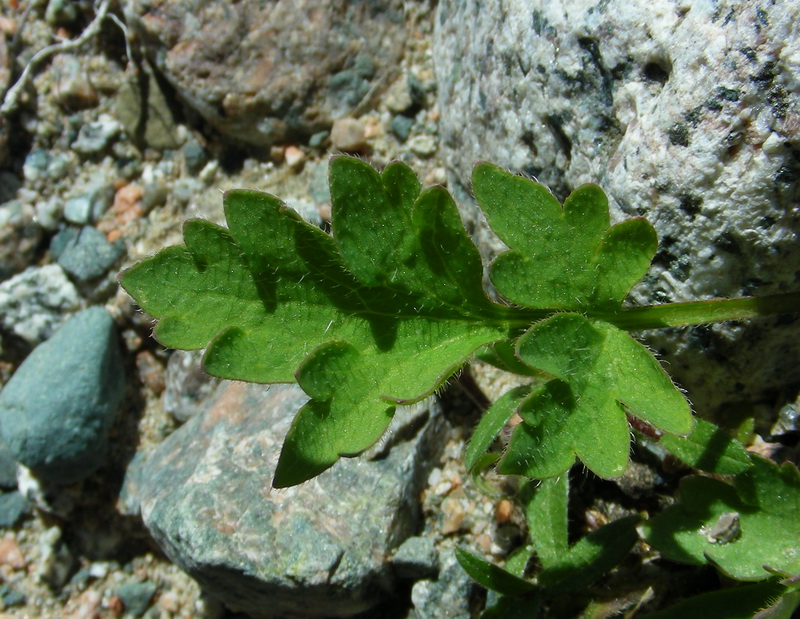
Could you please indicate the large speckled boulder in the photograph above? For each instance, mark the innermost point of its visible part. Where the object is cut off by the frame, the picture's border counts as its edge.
(263, 71)
(684, 112)
(316, 550)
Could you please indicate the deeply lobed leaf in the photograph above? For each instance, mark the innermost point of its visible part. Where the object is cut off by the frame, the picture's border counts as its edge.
(560, 258)
(379, 314)
(386, 308)
(600, 373)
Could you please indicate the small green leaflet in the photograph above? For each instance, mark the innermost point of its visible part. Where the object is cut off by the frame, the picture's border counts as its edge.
(599, 372)
(765, 501)
(561, 258)
(385, 309)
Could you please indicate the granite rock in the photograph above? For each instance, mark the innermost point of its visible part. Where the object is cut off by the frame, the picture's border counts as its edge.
(262, 72)
(315, 550)
(685, 113)
(32, 303)
(57, 408)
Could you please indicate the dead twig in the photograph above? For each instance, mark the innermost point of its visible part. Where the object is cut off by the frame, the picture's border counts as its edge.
(11, 99)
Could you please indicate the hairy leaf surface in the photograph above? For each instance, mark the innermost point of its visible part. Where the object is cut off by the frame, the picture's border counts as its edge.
(379, 314)
(560, 257)
(765, 501)
(600, 373)
(383, 310)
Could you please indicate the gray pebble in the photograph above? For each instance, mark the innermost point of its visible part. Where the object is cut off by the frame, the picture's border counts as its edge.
(423, 145)
(184, 189)
(320, 190)
(88, 255)
(318, 138)
(78, 210)
(11, 597)
(136, 596)
(401, 126)
(57, 408)
(195, 156)
(35, 166)
(48, 212)
(95, 136)
(13, 506)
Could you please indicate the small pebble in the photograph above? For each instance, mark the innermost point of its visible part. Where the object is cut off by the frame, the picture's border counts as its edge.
(136, 596)
(502, 511)
(90, 255)
(294, 157)
(73, 88)
(194, 156)
(11, 554)
(13, 506)
(347, 135)
(423, 145)
(401, 127)
(94, 137)
(318, 138)
(398, 97)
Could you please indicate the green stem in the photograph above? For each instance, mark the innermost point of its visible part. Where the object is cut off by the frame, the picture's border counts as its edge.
(700, 312)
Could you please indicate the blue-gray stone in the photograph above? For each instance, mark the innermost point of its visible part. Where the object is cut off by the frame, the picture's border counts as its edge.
(95, 136)
(13, 506)
(57, 408)
(78, 210)
(195, 156)
(315, 550)
(401, 126)
(136, 596)
(89, 255)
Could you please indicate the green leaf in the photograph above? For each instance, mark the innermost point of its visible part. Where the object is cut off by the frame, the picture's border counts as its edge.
(740, 527)
(513, 607)
(492, 422)
(381, 313)
(600, 373)
(560, 258)
(709, 448)
(741, 602)
(385, 309)
(491, 576)
(545, 505)
(592, 557)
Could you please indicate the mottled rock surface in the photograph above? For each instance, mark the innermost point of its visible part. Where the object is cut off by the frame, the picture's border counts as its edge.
(58, 407)
(32, 303)
(262, 71)
(685, 113)
(320, 549)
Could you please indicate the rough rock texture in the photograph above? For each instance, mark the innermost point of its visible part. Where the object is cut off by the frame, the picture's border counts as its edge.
(57, 408)
(684, 112)
(261, 71)
(33, 302)
(322, 547)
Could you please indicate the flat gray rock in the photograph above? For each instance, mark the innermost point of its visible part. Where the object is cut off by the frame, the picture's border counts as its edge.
(57, 408)
(317, 550)
(685, 113)
(263, 71)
